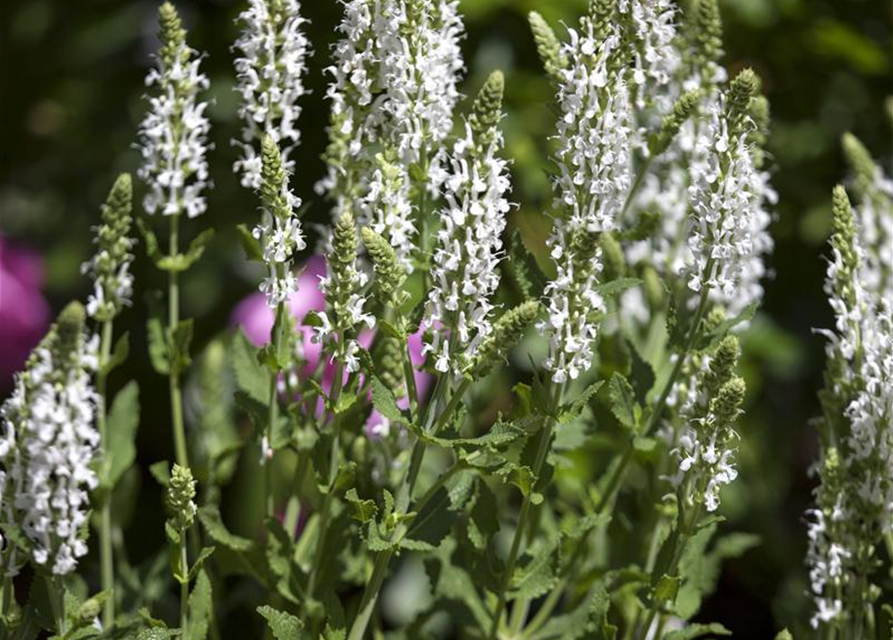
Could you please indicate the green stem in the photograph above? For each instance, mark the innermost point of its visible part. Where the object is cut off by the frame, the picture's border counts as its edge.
(404, 498)
(620, 469)
(637, 183)
(526, 505)
(57, 603)
(106, 555)
(273, 410)
(8, 596)
(174, 376)
(184, 586)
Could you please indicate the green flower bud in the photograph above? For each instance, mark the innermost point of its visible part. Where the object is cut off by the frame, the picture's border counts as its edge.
(343, 256)
(507, 331)
(390, 364)
(707, 32)
(69, 335)
(741, 90)
(653, 286)
(172, 34)
(613, 258)
(180, 496)
(715, 317)
(843, 239)
(389, 275)
(273, 179)
(726, 406)
(672, 122)
(547, 45)
(487, 110)
(722, 365)
(601, 13)
(109, 267)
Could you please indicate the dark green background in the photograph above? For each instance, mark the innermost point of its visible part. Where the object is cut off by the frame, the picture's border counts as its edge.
(70, 102)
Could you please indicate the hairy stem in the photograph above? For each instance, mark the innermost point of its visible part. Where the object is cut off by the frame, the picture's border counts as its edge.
(184, 586)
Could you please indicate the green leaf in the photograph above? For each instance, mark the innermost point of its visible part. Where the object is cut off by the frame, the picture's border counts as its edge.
(150, 241)
(213, 523)
(713, 337)
(182, 261)
(571, 412)
(698, 630)
(251, 377)
(179, 342)
(483, 522)
(122, 423)
(157, 633)
(385, 402)
(667, 588)
(432, 524)
(588, 620)
(523, 269)
(499, 435)
(538, 576)
(203, 555)
(280, 552)
(161, 471)
(253, 250)
(363, 510)
(616, 287)
(784, 634)
(200, 608)
(119, 353)
(158, 349)
(284, 626)
(642, 374)
(623, 402)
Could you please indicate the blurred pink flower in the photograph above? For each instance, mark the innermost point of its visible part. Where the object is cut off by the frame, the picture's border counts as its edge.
(256, 319)
(24, 312)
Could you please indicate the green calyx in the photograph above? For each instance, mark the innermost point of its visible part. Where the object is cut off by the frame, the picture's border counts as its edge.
(172, 35)
(114, 242)
(601, 15)
(67, 336)
(343, 256)
(613, 258)
(273, 179)
(707, 32)
(683, 109)
(507, 331)
(389, 275)
(843, 240)
(180, 496)
(722, 365)
(726, 406)
(487, 110)
(547, 46)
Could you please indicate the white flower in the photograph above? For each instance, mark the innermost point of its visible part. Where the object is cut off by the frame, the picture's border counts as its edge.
(465, 271)
(389, 211)
(656, 59)
(270, 74)
(48, 443)
(173, 134)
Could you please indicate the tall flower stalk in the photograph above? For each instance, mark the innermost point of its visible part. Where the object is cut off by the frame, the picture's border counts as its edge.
(173, 142)
(112, 289)
(48, 445)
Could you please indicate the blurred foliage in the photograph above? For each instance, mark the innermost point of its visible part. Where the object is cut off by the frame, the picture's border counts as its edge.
(70, 99)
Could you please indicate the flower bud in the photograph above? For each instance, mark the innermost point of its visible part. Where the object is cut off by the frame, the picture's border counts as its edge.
(547, 45)
(389, 275)
(180, 495)
(507, 331)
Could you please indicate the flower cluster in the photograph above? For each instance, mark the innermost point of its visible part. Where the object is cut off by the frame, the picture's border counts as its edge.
(47, 447)
(394, 87)
(110, 267)
(594, 146)
(270, 74)
(854, 500)
(343, 290)
(173, 135)
(723, 199)
(706, 450)
(279, 231)
(465, 267)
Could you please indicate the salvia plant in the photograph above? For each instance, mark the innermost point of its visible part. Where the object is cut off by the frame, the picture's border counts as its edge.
(381, 456)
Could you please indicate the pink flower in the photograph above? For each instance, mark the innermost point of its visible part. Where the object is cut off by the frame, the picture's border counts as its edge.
(24, 312)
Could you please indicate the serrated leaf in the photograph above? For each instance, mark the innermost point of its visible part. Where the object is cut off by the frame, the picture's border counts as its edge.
(432, 524)
(150, 241)
(523, 268)
(642, 374)
(182, 261)
(385, 402)
(483, 521)
(363, 510)
(122, 423)
(157, 633)
(180, 339)
(284, 626)
(210, 517)
(573, 410)
(538, 576)
(622, 401)
(250, 245)
(667, 588)
(698, 630)
(499, 435)
(200, 608)
(280, 552)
